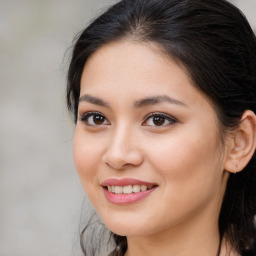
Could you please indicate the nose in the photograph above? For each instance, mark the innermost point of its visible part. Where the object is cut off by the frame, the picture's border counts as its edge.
(122, 150)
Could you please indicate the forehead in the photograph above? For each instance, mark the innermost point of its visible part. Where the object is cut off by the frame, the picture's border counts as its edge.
(139, 70)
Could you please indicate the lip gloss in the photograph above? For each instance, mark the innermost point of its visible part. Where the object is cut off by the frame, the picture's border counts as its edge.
(126, 198)
(129, 198)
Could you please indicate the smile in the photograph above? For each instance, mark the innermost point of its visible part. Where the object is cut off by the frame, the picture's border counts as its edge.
(126, 191)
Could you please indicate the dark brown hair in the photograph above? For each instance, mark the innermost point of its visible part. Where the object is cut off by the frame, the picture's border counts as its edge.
(216, 44)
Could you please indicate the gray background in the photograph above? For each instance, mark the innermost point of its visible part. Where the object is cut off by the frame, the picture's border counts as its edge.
(40, 194)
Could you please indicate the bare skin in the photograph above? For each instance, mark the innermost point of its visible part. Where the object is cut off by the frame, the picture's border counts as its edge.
(140, 117)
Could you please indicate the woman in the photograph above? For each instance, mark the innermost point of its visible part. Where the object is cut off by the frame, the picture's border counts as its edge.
(164, 99)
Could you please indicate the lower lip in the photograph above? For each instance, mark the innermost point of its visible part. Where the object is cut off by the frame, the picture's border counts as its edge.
(126, 198)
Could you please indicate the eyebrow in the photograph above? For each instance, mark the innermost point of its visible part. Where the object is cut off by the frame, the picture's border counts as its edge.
(157, 100)
(94, 100)
(154, 100)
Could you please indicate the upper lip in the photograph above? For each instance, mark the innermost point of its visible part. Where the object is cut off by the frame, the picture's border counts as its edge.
(125, 182)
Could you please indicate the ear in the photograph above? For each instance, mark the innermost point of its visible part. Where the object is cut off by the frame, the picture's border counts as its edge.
(242, 144)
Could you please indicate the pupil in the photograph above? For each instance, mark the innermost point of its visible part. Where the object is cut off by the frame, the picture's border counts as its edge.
(158, 120)
(98, 119)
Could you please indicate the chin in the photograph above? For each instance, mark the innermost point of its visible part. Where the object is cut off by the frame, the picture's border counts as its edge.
(130, 227)
(126, 230)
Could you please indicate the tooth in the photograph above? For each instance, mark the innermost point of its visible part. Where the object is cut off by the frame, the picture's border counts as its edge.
(113, 189)
(118, 190)
(127, 189)
(151, 186)
(136, 188)
(109, 189)
(143, 188)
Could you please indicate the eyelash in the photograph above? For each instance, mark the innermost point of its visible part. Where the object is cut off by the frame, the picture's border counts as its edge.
(166, 117)
(171, 120)
(84, 118)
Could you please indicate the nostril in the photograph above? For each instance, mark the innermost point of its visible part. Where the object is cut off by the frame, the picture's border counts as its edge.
(116, 166)
(118, 160)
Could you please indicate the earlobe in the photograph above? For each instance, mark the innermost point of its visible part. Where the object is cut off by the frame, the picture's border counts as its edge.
(243, 143)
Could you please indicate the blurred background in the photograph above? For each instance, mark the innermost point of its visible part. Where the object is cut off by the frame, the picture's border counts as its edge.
(41, 199)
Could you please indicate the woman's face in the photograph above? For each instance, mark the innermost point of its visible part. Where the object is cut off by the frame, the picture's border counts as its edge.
(147, 134)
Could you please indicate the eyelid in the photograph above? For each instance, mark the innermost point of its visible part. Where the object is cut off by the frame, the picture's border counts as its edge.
(168, 117)
(84, 118)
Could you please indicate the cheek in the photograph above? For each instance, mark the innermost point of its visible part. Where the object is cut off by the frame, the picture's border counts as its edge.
(86, 158)
(182, 151)
(188, 164)
(190, 177)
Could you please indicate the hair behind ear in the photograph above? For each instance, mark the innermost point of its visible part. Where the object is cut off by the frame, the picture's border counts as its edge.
(237, 216)
(242, 143)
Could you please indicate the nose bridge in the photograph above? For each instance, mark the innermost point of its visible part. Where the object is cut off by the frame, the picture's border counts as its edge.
(122, 149)
(122, 137)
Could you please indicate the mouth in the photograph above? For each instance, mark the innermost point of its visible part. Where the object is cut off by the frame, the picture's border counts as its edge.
(126, 191)
(129, 189)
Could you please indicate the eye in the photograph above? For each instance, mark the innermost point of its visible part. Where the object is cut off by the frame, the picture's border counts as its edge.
(159, 119)
(94, 119)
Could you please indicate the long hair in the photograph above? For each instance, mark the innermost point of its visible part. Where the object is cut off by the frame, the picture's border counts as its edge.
(216, 44)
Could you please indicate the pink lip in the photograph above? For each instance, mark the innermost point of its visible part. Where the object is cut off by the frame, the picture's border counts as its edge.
(122, 199)
(125, 182)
